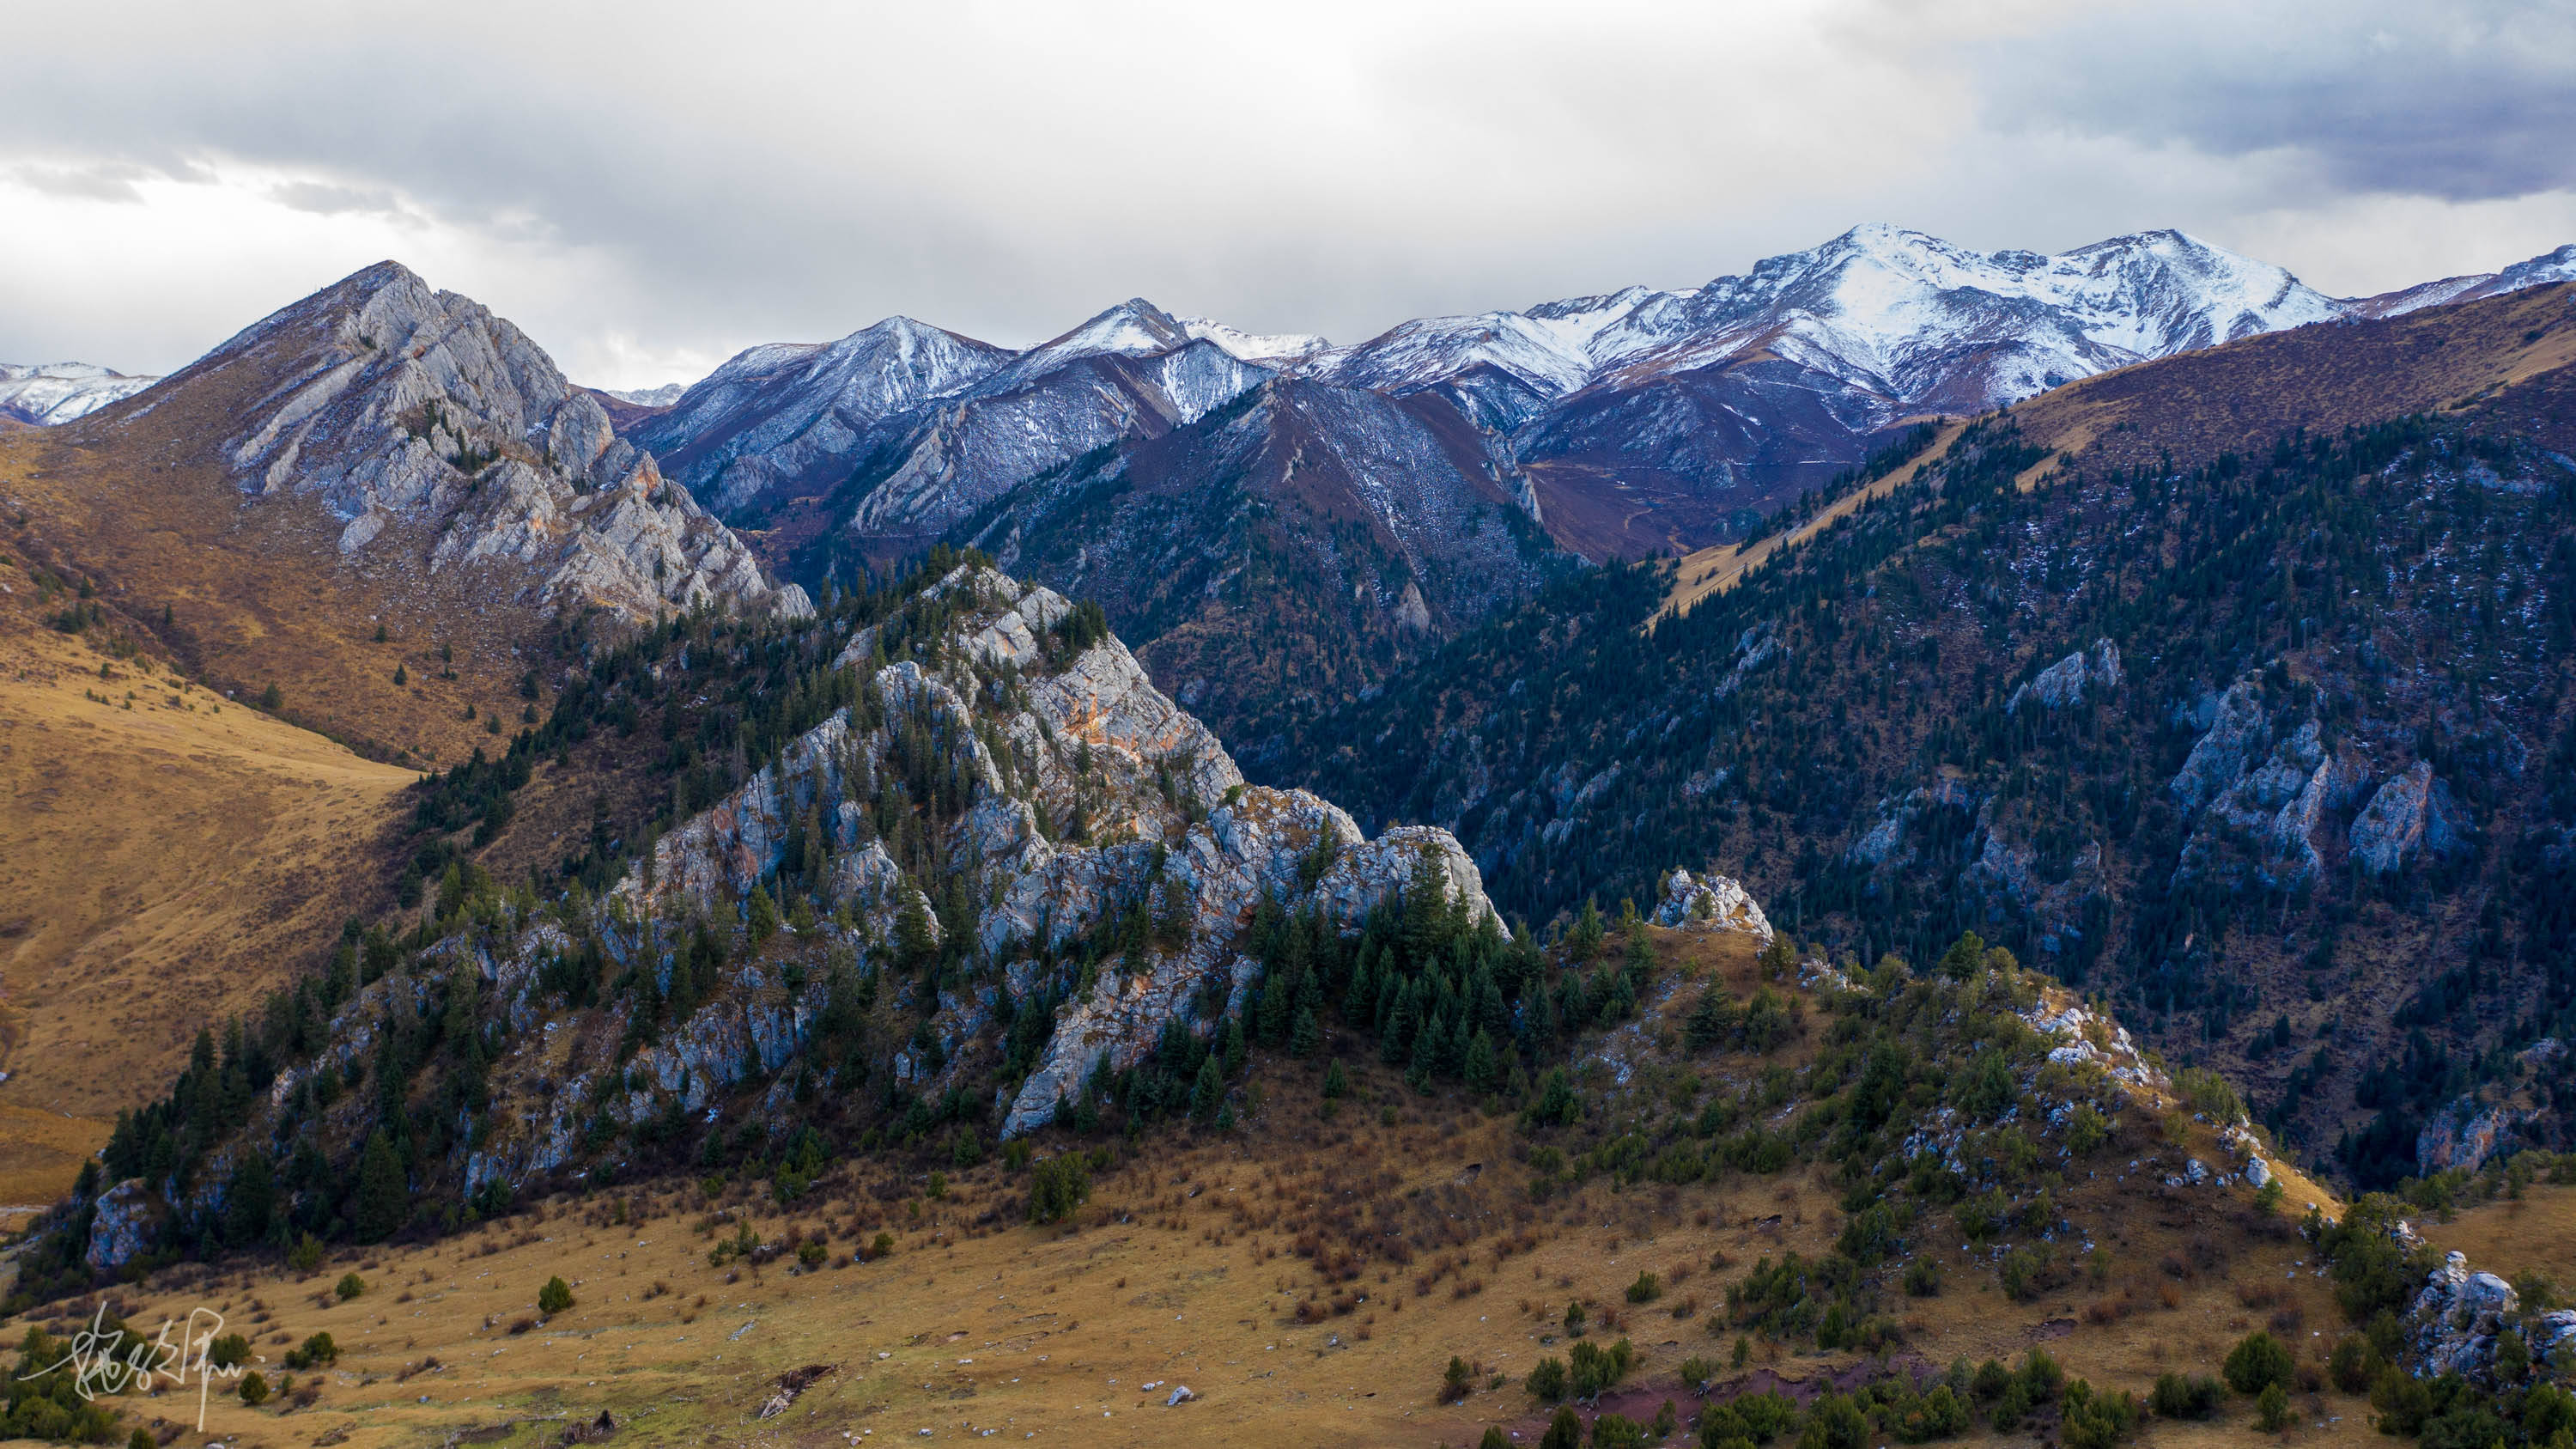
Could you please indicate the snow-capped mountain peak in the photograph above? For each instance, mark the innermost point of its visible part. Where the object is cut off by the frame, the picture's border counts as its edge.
(46, 393)
(1281, 349)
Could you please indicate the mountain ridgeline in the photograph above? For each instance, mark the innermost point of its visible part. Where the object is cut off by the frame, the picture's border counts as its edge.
(2247, 744)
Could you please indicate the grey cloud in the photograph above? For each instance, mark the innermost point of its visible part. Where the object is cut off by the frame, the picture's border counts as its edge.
(800, 171)
(2460, 101)
(90, 181)
(326, 199)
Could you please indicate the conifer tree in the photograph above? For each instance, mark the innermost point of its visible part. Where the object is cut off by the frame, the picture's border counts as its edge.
(384, 1199)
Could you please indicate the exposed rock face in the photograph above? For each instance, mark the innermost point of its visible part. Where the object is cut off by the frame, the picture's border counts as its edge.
(423, 421)
(2465, 1134)
(2218, 759)
(2063, 683)
(1886, 842)
(2410, 818)
(128, 1222)
(1070, 798)
(1710, 903)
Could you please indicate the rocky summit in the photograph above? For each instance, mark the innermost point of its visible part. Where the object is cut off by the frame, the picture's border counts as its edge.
(1064, 798)
(426, 424)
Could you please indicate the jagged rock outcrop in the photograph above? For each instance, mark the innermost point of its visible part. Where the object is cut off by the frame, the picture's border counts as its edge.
(1710, 903)
(127, 1224)
(425, 423)
(2063, 683)
(2465, 1133)
(1006, 777)
(2411, 818)
(2456, 1316)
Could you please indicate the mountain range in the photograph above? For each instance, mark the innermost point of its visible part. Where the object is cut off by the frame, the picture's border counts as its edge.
(2005, 792)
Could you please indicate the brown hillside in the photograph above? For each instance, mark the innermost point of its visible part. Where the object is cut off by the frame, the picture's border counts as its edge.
(1189, 1267)
(166, 858)
(2243, 395)
(244, 596)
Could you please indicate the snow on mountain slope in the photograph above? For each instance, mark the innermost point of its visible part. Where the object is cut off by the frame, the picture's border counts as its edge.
(1285, 349)
(2539, 271)
(1890, 310)
(649, 397)
(795, 413)
(46, 393)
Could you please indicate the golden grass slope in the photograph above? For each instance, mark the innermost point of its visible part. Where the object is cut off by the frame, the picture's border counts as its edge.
(1184, 1270)
(1716, 569)
(245, 593)
(166, 858)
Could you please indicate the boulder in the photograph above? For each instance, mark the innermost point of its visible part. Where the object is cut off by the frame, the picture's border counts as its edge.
(1711, 903)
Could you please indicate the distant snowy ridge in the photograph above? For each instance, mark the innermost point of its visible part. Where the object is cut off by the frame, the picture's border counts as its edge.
(649, 397)
(47, 393)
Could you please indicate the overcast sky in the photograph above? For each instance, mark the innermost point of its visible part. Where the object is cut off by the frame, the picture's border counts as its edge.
(647, 188)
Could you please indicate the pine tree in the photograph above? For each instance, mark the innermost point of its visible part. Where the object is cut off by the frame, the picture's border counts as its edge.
(254, 1196)
(1480, 1063)
(763, 915)
(384, 1199)
(912, 930)
(1209, 1091)
(1307, 1036)
(1237, 1051)
(402, 676)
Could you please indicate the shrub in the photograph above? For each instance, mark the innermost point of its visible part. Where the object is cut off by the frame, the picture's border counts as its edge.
(1991, 1380)
(1546, 1381)
(2041, 1378)
(1617, 1431)
(2010, 1405)
(2208, 1094)
(2350, 1365)
(2086, 1130)
(1592, 1368)
(1457, 1381)
(1835, 1423)
(254, 1386)
(307, 1254)
(2096, 1421)
(1564, 1431)
(2258, 1362)
(2022, 1274)
(1059, 1185)
(230, 1351)
(2272, 1409)
(1646, 1289)
(1923, 1278)
(2180, 1396)
(555, 1297)
(317, 1352)
(883, 1245)
(350, 1286)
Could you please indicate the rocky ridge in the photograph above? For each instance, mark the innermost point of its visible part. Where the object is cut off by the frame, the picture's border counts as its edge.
(1068, 799)
(423, 422)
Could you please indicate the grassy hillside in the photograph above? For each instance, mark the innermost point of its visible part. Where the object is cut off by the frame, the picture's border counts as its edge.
(167, 857)
(1310, 1274)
